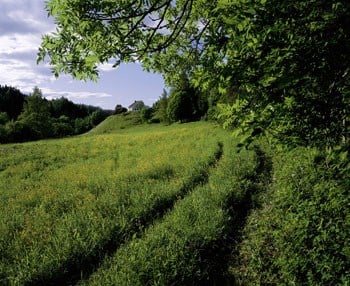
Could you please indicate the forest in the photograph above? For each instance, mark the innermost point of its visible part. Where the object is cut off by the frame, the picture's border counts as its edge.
(32, 117)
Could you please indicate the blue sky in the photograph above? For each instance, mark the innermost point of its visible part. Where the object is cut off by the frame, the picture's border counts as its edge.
(22, 23)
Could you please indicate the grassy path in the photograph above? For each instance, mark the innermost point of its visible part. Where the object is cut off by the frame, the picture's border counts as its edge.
(185, 247)
(79, 267)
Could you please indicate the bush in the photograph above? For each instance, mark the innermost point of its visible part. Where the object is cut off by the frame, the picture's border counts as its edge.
(62, 127)
(302, 235)
(146, 114)
(119, 109)
(3, 118)
(82, 125)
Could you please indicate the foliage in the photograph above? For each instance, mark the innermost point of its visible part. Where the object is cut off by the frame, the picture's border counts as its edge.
(295, 85)
(301, 235)
(36, 116)
(39, 118)
(97, 117)
(3, 118)
(120, 109)
(94, 32)
(62, 126)
(288, 60)
(14, 131)
(185, 102)
(11, 101)
(81, 125)
(179, 106)
(160, 108)
(146, 114)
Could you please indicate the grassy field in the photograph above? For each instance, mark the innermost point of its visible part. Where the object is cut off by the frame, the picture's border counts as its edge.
(68, 203)
(135, 204)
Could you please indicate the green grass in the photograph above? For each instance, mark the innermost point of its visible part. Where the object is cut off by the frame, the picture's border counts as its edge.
(137, 204)
(120, 123)
(177, 250)
(301, 233)
(65, 200)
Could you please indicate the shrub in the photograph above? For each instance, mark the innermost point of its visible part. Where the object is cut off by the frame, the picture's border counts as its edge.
(302, 235)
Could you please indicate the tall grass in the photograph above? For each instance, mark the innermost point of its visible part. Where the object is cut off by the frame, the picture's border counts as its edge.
(62, 201)
(301, 235)
(177, 249)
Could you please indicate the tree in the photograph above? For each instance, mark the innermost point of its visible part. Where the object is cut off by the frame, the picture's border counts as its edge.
(96, 31)
(287, 60)
(179, 107)
(3, 118)
(160, 108)
(3, 132)
(63, 106)
(186, 103)
(11, 101)
(62, 126)
(82, 125)
(146, 114)
(97, 117)
(36, 116)
(120, 109)
(289, 64)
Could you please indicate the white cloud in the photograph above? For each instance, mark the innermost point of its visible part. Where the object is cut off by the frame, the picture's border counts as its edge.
(20, 36)
(73, 95)
(106, 67)
(30, 20)
(18, 43)
(20, 74)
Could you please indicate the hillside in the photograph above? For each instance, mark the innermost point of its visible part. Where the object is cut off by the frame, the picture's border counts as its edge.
(117, 123)
(170, 205)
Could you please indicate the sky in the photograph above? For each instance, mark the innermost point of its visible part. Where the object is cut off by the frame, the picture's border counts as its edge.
(22, 24)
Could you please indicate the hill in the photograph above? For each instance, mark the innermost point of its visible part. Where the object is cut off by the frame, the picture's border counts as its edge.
(117, 122)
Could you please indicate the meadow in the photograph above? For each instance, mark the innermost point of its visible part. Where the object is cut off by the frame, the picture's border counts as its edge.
(137, 204)
(66, 203)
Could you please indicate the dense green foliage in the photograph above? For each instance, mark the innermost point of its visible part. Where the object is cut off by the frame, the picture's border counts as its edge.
(32, 117)
(11, 101)
(160, 108)
(186, 103)
(301, 236)
(290, 63)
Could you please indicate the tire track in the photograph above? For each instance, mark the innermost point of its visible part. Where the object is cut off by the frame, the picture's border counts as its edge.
(81, 267)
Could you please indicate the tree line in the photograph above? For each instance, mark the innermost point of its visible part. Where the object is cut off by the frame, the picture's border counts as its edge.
(32, 117)
(183, 102)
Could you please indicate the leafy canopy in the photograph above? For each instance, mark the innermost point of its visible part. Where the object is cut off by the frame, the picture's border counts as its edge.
(288, 61)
